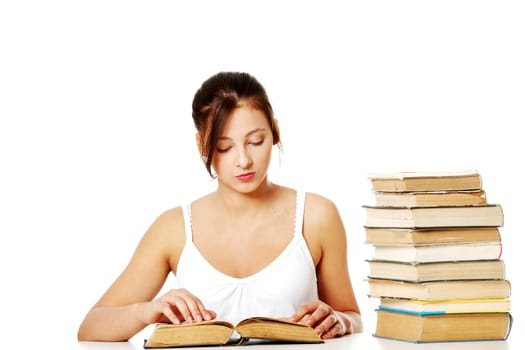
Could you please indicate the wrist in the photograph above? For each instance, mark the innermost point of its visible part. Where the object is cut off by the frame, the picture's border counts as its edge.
(343, 322)
(139, 310)
(351, 321)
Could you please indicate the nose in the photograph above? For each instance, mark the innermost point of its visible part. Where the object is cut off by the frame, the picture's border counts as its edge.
(244, 159)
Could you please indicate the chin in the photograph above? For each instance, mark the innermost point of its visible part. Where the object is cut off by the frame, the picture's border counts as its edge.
(254, 186)
(249, 188)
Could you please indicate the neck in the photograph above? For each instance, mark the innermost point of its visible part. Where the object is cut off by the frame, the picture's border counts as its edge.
(237, 201)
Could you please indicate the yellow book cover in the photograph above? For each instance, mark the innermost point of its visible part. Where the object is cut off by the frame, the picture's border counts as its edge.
(424, 307)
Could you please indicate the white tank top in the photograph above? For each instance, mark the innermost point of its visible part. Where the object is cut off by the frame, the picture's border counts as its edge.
(277, 290)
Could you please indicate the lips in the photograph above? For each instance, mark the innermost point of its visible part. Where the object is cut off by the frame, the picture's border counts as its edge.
(246, 177)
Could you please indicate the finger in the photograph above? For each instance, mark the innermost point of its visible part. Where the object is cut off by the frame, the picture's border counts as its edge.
(209, 315)
(327, 324)
(335, 331)
(301, 314)
(320, 314)
(199, 312)
(341, 321)
(181, 308)
(188, 306)
(168, 312)
(195, 308)
(304, 320)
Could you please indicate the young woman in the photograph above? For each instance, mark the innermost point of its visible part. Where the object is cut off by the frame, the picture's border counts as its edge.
(250, 248)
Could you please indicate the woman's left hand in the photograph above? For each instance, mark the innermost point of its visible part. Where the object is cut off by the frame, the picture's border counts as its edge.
(322, 318)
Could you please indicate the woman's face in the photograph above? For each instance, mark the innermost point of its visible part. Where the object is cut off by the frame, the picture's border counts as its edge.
(243, 153)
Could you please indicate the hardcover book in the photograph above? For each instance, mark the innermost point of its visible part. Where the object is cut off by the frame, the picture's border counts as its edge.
(217, 332)
(437, 271)
(409, 236)
(440, 290)
(490, 215)
(430, 198)
(450, 306)
(426, 181)
(443, 327)
(438, 252)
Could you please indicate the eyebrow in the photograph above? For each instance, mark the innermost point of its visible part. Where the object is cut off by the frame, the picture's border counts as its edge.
(247, 134)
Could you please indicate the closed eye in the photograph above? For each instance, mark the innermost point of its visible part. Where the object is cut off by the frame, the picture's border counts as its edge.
(256, 141)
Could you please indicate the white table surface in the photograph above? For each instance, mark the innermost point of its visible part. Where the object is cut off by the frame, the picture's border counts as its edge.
(355, 341)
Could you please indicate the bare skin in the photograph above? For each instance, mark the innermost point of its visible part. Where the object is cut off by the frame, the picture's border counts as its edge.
(255, 219)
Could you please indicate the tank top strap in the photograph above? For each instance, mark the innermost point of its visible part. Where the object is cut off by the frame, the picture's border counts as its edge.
(186, 214)
(299, 213)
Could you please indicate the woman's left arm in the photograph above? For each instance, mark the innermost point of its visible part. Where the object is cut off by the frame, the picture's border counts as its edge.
(336, 313)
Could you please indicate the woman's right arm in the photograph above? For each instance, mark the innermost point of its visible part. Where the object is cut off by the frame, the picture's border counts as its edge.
(128, 306)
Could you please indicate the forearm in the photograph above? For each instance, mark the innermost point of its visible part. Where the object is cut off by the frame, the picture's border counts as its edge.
(118, 323)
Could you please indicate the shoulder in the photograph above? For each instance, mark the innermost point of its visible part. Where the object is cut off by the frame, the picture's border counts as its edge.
(169, 219)
(167, 231)
(319, 200)
(322, 226)
(319, 209)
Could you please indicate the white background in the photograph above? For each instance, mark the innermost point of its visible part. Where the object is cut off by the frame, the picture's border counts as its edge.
(96, 136)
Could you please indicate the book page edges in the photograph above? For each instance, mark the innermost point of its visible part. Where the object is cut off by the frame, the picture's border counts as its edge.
(421, 174)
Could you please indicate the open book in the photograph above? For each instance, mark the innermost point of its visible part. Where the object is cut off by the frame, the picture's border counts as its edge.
(217, 332)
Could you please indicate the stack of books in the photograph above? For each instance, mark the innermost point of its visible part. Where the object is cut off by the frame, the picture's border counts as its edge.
(437, 268)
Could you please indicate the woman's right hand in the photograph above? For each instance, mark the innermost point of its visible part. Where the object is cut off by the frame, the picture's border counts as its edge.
(176, 306)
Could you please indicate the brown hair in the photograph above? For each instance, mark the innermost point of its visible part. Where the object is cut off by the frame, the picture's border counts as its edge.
(215, 100)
